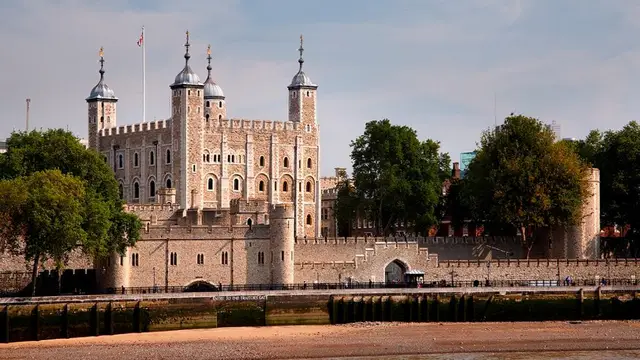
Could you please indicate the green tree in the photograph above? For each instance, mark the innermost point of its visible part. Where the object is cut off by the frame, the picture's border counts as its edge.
(397, 177)
(46, 211)
(345, 207)
(618, 158)
(521, 178)
(108, 227)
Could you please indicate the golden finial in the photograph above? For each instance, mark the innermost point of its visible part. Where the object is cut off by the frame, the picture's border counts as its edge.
(187, 35)
(209, 50)
(101, 53)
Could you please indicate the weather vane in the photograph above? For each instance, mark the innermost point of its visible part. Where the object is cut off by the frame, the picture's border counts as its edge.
(209, 49)
(101, 53)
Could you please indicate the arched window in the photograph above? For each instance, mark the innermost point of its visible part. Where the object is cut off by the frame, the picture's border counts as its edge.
(120, 161)
(136, 190)
(168, 156)
(308, 186)
(210, 184)
(206, 157)
(101, 120)
(220, 117)
(261, 160)
(206, 118)
(220, 104)
(261, 186)
(308, 219)
(168, 183)
(136, 160)
(208, 105)
(285, 163)
(152, 158)
(285, 186)
(236, 184)
(233, 158)
(152, 188)
(228, 158)
(121, 191)
(249, 222)
(309, 163)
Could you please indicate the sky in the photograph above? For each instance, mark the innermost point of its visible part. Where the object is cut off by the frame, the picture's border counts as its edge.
(448, 69)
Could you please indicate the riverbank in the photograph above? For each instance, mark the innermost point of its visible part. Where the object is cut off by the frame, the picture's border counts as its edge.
(390, 340)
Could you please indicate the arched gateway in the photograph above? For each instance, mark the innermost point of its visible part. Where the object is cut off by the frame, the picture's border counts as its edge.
(394, 272)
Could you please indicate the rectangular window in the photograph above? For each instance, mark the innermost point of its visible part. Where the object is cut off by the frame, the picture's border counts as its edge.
(282, 255)
(200, 259)
(173, 259)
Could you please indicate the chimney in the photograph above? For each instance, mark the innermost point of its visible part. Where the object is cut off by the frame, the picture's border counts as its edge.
(455, 173)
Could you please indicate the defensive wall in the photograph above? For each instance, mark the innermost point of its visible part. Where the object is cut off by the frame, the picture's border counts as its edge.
(23, 319)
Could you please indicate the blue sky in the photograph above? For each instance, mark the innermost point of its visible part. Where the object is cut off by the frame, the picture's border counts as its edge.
(433, 65)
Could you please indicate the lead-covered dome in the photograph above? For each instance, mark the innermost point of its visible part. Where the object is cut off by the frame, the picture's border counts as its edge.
(101, 91)
(212, 90)
(187, 76)
(300, 79)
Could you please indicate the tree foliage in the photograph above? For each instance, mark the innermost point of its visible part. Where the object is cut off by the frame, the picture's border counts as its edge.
(46, 211)
(521, 178)
(397, 177)
(617, 155)
(105, 225)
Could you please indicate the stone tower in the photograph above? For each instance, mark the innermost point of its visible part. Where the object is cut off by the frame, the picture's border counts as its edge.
(302, 110)
(215, 107)
(281, 220)
(583, 240)
(102, 107)
(187, 99)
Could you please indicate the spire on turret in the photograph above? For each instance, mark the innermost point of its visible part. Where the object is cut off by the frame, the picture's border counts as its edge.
(186, 54)
(211, 89)
(301, 50)
(300, 79)
(101, 63)
(208, 61)
(101, 90)
(187, 76)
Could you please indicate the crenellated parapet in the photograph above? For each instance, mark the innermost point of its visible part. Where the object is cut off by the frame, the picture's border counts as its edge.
(205, 232)
(423, 241)
(137, 128)
(149, 212)
(218, 125)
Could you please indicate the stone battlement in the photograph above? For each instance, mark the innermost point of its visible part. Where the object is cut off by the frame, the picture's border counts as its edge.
(548, 263)
(462, 240)
(205, 232)
(282, 211)
(136, 128)
(215, 125)
(327, 264)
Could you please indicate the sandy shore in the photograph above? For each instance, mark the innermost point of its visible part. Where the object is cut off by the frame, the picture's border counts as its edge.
(354, 340)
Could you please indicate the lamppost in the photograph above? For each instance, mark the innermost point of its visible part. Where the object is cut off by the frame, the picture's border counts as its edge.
(488, 272)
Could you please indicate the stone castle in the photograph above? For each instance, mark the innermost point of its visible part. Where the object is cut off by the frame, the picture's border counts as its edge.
(234, 201)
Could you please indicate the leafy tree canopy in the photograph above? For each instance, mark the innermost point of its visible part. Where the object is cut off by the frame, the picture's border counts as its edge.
(617, 155)
(106, 226)
(522, 178)
(46, 212)
(397, 177)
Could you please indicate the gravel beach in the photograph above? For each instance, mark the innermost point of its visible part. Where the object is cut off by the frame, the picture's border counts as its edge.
(613, 339)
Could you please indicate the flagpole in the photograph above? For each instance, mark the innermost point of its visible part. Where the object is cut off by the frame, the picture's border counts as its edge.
(144, 80)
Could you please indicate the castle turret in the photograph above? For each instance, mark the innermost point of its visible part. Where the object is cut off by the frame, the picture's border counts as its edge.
(214, 104)
(302, 110)
(282, 226)
(583, 239)
(102, 107)
(187, 100)
(302, 95)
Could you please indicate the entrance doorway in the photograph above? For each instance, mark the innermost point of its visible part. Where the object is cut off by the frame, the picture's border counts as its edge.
(394, 272)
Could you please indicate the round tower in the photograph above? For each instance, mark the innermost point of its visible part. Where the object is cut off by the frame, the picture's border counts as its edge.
(215, 107)
(282, 226)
